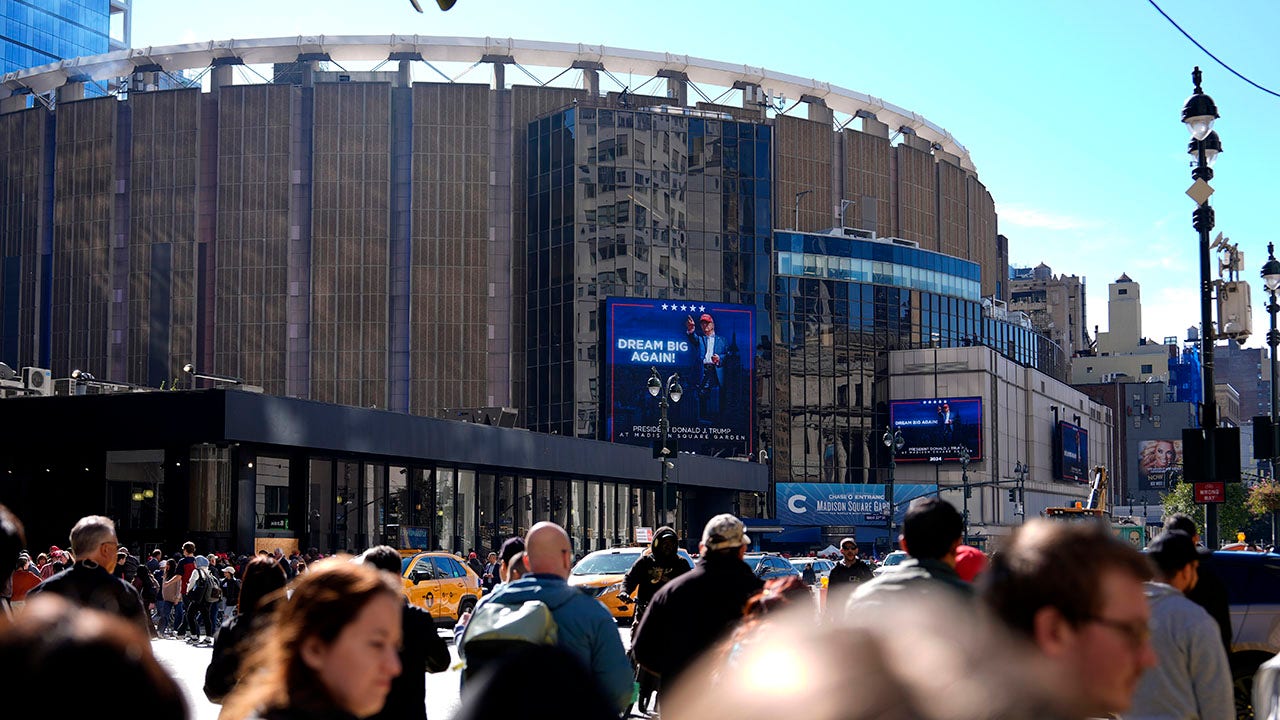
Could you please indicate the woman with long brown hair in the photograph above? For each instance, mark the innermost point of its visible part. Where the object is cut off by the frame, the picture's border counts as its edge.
(331, 651)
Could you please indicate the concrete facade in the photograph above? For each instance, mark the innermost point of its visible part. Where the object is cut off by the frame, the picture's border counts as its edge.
(1122, 352)
(1020, 409)
(1055, 304)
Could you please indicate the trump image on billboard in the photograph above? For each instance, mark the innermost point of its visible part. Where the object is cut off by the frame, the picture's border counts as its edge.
(936, 429)
(708, 344)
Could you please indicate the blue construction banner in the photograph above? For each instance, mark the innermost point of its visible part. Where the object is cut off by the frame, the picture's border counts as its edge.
(711, 347)
(843, 503)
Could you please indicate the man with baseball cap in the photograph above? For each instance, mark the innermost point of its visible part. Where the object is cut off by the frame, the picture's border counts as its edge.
(847, 575)
(692, 612)
(1191, 677)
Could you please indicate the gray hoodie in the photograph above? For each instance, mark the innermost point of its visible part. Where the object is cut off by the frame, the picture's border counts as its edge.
(1192, 678)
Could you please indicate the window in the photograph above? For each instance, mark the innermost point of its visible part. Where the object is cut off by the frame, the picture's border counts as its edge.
(424, 570)
(1122, 291)
(1146, 368)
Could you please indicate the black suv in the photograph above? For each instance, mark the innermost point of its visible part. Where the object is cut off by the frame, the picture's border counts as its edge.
(768, 566)
(1253, 591)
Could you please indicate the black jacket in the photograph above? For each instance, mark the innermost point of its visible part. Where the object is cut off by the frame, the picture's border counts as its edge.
(1210, 593)
(229, 648)
(843, 580)
(423, 651)
(651, 571)
(691, 613)
(87, 584)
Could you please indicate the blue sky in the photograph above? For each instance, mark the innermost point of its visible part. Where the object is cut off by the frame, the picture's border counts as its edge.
(1070, 111)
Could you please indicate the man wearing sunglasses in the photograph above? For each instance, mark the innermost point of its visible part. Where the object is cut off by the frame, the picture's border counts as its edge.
(1193, 675)
(89, 582)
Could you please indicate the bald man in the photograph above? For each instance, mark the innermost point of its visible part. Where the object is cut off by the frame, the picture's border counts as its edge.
(583, 626)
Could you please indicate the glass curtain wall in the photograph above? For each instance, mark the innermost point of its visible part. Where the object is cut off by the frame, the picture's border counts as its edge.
(271, 502)
(489, 538)
(135, 490)
(210, 479)
(467, 513)
(445, 519)
(633, 203)
(399, 502)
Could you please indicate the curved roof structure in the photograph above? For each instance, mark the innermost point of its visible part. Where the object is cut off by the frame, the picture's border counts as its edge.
(375, 48)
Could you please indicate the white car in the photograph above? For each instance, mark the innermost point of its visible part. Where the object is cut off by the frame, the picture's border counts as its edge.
(892, 559)
(821, 566)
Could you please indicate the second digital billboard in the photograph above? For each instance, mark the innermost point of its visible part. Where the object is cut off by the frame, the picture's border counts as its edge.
(709, 344)
(935, 429)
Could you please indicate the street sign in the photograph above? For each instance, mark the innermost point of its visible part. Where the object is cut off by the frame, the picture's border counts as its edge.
(1200, 191)
(1211, 492)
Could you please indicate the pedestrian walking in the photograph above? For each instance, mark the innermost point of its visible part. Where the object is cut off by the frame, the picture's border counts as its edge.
(171, 609)
(658, 565)
(259, 592)
(202, 594)
(1192, 677)
(490, 577)
(89, 582)
(696, 610)
(422, 650)
(1210, 591)
(582, 625)
(846, 576)
(1076, 592)
(931, 531)
(330, 651)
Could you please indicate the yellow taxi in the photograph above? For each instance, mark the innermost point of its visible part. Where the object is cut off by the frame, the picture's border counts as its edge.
(441, 583)
(601, 573)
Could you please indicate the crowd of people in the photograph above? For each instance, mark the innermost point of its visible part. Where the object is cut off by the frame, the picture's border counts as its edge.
(1063, 621)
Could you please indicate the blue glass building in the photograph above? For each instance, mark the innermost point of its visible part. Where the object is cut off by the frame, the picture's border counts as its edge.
(672, 204)
(39, 32)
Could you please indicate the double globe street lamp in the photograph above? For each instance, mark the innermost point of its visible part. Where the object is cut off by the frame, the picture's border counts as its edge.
(667, 393)
(1271, 279)
(1199, 113)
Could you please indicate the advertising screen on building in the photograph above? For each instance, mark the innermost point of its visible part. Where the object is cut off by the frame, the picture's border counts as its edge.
(1070, 452)
(934, 429)
(1159, 462)
(710, 345)
(844, 504)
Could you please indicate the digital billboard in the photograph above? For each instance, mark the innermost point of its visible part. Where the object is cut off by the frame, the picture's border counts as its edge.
(934, 429)
(844, 504)
(1070, 452)
(1157, 459)
(709, 344)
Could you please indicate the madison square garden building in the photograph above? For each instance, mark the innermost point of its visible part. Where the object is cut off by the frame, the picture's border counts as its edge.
(374, 239)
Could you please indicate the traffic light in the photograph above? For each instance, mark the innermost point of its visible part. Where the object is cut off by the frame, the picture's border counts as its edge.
(559, 503)
(546, 504)
(1013, 495)
(528, 502)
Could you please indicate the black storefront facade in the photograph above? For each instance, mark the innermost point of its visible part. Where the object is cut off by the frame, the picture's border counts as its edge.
(234, 470)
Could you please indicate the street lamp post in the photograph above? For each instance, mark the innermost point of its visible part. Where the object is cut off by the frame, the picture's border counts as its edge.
(893, 440)
(799, 195)
(1199, 113)
(1020, 504)
(1271, 279)
(667, 393)
(964, 480)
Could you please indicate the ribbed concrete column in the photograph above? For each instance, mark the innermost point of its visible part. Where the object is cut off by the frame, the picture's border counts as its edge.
(70, 92)
(222, 76)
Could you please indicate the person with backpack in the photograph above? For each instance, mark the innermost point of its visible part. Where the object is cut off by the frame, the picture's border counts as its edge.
(149, 590)
(541, 609)
(203, 592)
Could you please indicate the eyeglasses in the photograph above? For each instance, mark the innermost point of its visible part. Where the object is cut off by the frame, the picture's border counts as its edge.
(1136, 632)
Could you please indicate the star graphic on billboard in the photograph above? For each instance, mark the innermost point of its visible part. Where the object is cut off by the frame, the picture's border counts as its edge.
(664, 306)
